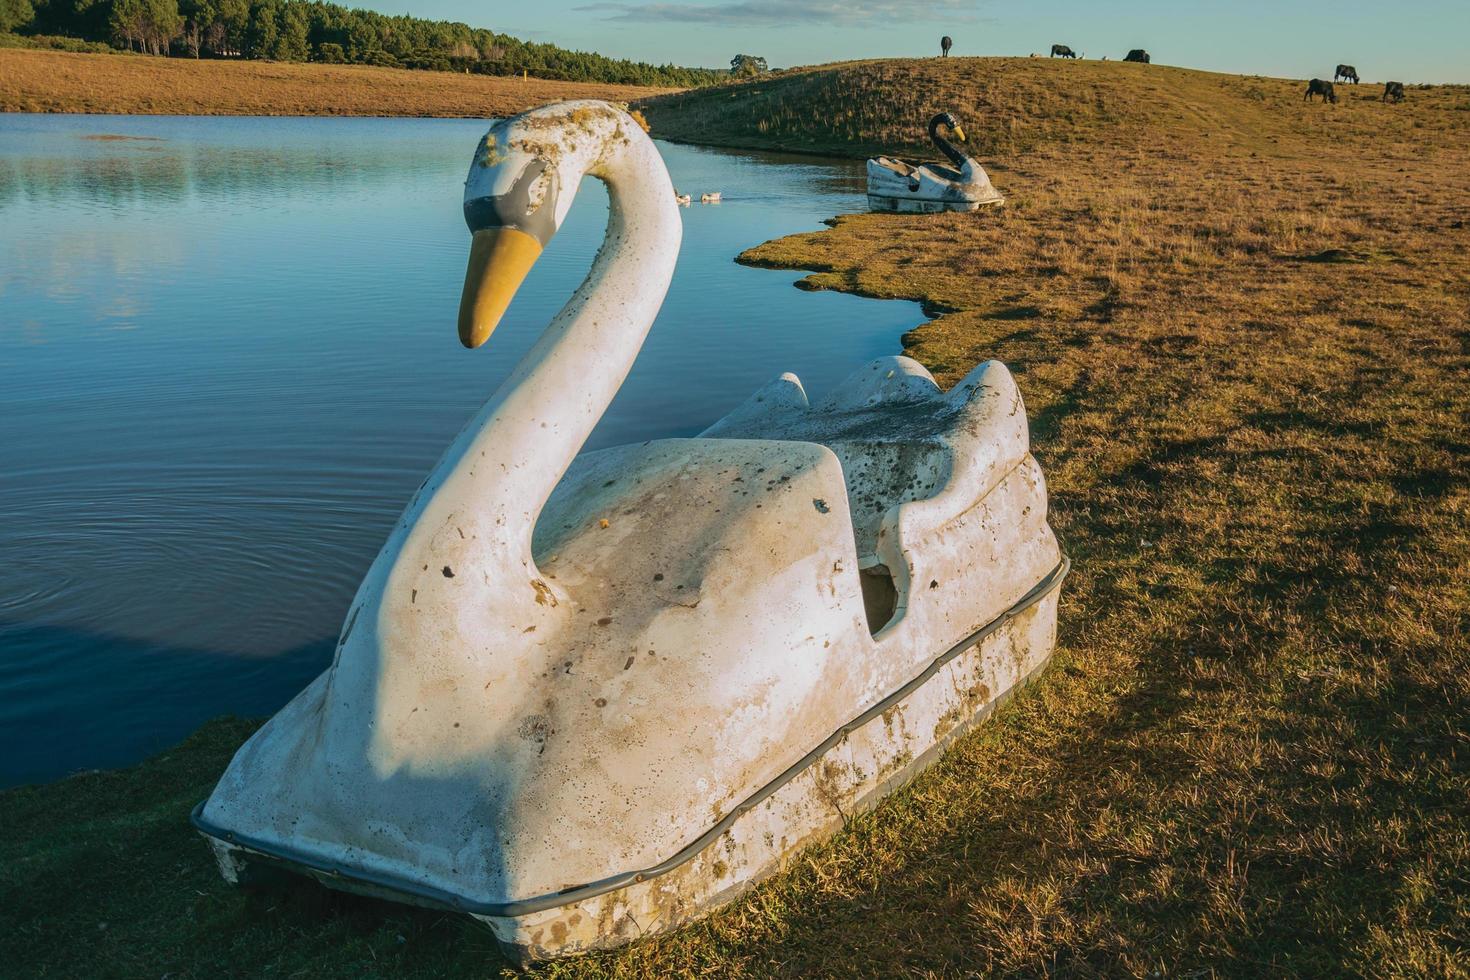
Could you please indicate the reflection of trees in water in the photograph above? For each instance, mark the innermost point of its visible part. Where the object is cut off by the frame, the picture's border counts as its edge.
(156, 176)
(102, 275)
(69, 166)
(97, 229)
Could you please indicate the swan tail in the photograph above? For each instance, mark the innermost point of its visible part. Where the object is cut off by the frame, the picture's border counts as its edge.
(763, 411)
(885, 380)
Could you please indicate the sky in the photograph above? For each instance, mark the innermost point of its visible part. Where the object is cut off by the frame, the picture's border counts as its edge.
(1406, 40)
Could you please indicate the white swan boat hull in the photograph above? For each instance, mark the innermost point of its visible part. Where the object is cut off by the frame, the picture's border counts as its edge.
(914, 205)
(896, 186)
(877, 754)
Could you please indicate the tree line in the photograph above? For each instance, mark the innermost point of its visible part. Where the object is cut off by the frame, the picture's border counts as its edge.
(310, 30)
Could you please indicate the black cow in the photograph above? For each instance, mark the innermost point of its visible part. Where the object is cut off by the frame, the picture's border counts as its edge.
(1318, 87)
(1347, 73)
(1062, 51)
(945, 43)
(1138, 55)
(1393, 91)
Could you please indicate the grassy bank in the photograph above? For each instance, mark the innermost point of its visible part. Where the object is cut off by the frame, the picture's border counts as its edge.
(1242, 328)
(56, 81)
(1015, 105)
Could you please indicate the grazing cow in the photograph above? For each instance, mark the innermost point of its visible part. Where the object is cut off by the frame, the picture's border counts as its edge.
(1346, 73)
(945, 43)
(1393, 91)
(1062, 51)
(1137, 55)
(1318, 87)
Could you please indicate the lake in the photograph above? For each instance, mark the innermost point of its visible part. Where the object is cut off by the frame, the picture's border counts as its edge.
(228, 356)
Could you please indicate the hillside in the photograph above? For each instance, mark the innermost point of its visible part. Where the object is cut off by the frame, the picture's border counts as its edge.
(54, 81)
(1241, 326)
(1012, 105)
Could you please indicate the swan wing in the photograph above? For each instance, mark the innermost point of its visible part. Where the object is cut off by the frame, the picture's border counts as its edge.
(933, 173)
(985, 437)
(990, 436)
(888, 166)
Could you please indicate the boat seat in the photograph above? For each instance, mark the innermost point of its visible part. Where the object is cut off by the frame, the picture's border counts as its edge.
(898, 166)
(887, 458)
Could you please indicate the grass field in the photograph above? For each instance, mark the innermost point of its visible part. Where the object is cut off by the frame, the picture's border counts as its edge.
(56, 81)
(1014, 105)
(1242, 327)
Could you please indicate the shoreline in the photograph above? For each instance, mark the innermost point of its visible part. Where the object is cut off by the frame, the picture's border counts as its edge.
(63, 82)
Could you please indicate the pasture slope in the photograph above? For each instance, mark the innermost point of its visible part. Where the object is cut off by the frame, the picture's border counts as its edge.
(1242, 327)
(1014, 105)
(59, 81)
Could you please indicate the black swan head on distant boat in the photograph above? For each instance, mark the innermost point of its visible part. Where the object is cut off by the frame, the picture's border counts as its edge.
(947, 120)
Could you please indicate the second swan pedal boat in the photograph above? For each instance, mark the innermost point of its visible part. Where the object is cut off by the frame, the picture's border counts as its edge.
(894, 185)
(586, 698)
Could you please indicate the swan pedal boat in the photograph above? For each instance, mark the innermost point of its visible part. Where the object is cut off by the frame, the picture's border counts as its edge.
(895, 185)
(587, 698)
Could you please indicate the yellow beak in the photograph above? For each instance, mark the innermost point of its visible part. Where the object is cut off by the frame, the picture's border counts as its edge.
(499, 261)
(959, 133)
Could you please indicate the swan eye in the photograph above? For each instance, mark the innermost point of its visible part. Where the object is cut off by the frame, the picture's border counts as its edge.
(528, 205)
(541, 190)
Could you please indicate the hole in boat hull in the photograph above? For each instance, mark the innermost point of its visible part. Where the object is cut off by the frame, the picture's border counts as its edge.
(880, 596)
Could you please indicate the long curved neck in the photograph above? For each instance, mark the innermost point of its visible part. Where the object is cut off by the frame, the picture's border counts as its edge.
(945, 146)
(454, 596)
(506, 463)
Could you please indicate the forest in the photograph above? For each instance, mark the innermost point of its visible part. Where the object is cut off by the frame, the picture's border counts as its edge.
(310, 30)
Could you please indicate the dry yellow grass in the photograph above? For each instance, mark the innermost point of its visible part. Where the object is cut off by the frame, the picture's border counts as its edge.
(1242, 325)
(55, 81)
(1247, 382)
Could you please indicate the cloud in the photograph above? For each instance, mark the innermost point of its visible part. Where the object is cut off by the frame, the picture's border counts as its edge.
(783, 13)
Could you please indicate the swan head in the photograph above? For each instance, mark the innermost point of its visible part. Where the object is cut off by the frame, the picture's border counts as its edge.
(948, 119)
(520, 187)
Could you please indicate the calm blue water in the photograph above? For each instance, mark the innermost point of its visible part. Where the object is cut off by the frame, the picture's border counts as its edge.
(228, 356)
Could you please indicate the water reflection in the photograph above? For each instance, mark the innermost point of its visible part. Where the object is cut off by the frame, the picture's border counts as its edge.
(228, 355)
(67, 168)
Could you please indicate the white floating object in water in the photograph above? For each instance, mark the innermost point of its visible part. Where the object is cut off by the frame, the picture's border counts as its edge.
(585, 698)
(683, 200)
(894, 185)
(713, 198)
